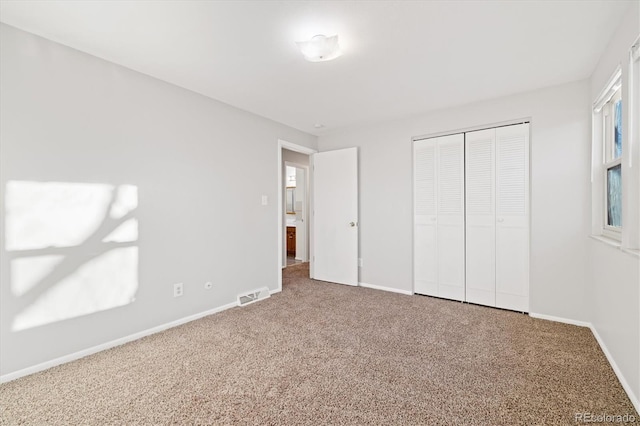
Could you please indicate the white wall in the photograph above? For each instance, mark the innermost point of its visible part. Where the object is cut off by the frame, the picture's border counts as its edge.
(615, 278)
(560, 150)
(615, 275)
(70, 117)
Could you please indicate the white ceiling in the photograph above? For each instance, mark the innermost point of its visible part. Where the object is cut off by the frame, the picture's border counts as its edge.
(400, 57)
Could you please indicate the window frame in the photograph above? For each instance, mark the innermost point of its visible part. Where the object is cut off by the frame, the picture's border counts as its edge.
(608, 151)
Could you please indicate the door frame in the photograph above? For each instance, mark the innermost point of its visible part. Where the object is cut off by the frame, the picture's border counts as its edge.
(282, 144)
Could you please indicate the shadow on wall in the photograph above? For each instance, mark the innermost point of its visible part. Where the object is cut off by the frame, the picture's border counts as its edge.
(72, 250)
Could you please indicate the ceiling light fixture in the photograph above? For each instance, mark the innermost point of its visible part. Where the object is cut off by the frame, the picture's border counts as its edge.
(320, 48)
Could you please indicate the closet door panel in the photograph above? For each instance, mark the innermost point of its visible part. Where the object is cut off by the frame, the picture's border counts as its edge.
(450, 233)
(481, 284)
(480, 217)
(425, 262)
(512, 274)
(425, 217)
(512, 217)
(451, 261)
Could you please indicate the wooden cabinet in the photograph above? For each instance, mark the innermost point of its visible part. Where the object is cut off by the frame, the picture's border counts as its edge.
(291, 240)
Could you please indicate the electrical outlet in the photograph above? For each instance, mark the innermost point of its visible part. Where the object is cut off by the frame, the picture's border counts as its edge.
(360, 262)
(177, 290)
(208, 285)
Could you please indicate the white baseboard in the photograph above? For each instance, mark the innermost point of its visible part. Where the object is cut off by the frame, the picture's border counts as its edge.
(625, 385)
(108, 345)
(275, 291)
(390, 289)
(560, 319)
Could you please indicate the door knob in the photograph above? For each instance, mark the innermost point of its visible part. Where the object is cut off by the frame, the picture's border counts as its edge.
(352, 224)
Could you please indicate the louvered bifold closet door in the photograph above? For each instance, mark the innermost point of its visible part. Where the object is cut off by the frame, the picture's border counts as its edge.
(439, 217)
(425, 216)
(480, 217)
(512, 217)
(450, 218)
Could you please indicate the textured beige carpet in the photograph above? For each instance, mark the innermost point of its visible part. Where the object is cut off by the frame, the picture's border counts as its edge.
(322, 353)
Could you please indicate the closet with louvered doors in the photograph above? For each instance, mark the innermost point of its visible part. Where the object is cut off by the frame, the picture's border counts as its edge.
(471, 217)
(497, 217)
(439, 217)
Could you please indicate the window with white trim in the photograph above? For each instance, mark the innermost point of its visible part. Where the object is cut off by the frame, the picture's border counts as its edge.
(608, 119)
(612, 161)
(615, 174)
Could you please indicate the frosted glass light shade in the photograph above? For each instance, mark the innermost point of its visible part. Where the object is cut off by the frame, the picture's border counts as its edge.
(320, 48)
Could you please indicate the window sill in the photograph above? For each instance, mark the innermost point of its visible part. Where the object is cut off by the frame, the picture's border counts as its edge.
(616, 244)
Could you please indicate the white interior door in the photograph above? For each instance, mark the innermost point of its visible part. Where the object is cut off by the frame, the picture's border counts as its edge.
(335, 216)
(480, 217)
(425, 250)
(439, 216)
(450, 169)
(512, 217)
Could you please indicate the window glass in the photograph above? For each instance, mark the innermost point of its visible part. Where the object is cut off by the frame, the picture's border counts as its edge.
(614, 196)
(617, 135)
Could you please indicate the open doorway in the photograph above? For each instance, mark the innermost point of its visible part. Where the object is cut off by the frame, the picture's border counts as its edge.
(332, 228)
(296, 210)
(294, 218)
(295, 207)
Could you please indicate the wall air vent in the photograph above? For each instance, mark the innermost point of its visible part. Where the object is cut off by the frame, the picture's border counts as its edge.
(249, 297)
